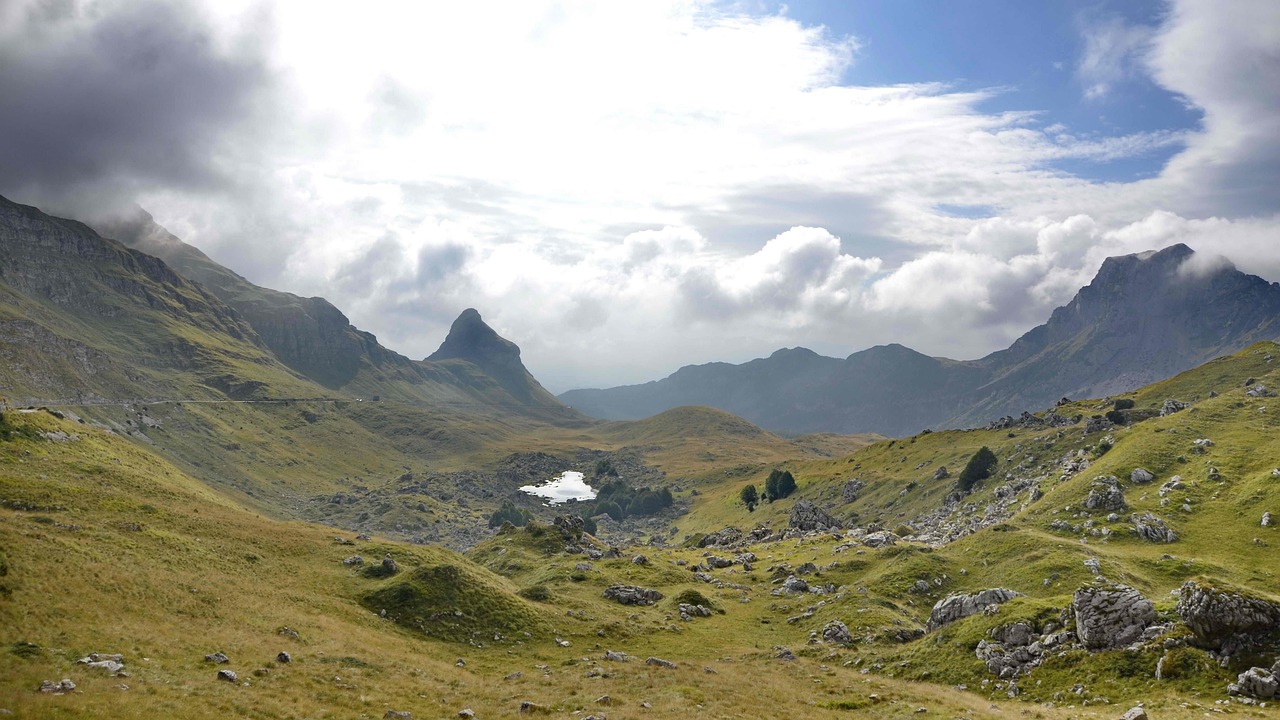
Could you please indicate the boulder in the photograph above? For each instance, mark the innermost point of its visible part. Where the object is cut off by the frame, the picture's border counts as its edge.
(1141, 476)
(1256, 682)
(727, 536)
(955, 607)
(389, 565)
(836, 632)
(941, 473)
(353, 560)
(1172, 406)
(1218, 617)
(640, 560)
(218, 658)
(632, 595)
(61, 687)
(1111, 616)
(806, 516)
(852, 490)
(880, 538)
(570, 527)
(284, 658)
(1152, 529)
(659, 662)
(792, 586)
(228, 676)
(1135, 713)
(1266, 519)
(1105, 495)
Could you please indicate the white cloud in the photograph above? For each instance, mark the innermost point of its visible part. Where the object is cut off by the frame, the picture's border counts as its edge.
(622, 188)
(1113, 52)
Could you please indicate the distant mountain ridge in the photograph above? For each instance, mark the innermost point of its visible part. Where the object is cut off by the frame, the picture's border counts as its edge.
(1144, 317)
(317, 340)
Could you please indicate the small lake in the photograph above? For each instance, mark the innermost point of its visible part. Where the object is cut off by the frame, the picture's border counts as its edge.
(568, 486)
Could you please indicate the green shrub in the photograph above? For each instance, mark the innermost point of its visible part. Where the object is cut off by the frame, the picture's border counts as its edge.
(537, 593)
(977, 469)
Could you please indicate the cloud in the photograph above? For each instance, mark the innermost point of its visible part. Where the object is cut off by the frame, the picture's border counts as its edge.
(623, 188)
(1113, 53)
(103, 101)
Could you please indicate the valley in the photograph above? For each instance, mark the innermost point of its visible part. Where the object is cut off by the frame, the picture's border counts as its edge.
(233, 530)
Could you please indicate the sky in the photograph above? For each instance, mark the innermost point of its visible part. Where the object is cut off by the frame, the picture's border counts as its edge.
(624, 188)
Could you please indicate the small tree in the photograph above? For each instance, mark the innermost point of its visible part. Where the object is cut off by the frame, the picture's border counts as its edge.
(786, 484)
(977, 469)
(750, 497)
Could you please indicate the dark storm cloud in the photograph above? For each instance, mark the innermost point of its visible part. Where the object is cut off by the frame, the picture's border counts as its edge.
(101, 101)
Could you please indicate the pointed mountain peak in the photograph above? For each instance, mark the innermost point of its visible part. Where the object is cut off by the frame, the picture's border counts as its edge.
(471, 339)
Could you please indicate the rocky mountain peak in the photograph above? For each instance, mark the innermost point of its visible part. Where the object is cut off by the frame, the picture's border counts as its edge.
(470, 338)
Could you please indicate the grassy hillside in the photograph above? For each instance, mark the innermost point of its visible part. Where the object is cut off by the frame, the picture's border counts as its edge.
(108, 548)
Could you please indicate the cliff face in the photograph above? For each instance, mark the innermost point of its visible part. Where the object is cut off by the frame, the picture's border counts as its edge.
(1144, 317)
(82, 316)
(474, 369)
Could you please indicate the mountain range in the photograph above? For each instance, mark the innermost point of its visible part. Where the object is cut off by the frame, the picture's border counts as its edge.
(1144, 317)
(45, 259)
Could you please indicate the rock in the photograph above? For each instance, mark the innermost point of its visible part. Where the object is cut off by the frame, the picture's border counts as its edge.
(853, 489)
(783, 653)
(1219, 618)
(1017, 634)
(228, 676)
(1266, 519)
(217, 658)
(688, 612)
(836, 632)
(640, 560)
(806, 516)
(571, 527)
(880, 538)
(1093, 566)
(941, 473)
(616, 656)
(1172, 484)
(1110, 617)
(807, 568)
(353, 560)
(528, 708)
(1257, 683)
(632, 595)
(1202, 442)
(1172, 406)
(466, 713)
(62, 687)
(659, 662)
(1152, 529)
(111, 666)
(583, 567)
(1141, 476)
(792, 586)
(284, 658)
(401, 714)
(1136, 713)
(717, 563)
(389, 565)
(727, 536)
(289, 632)
(1105, 495)
(955, 607)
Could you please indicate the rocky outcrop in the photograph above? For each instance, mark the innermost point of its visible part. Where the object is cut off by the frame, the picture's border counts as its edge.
(955, 607)
(1111, 617)
(632, 595)
(1152, 529)
(721, 538)
(1105, 495)
(1222, 620)
(1141, 476)
(808, 517)
(1257, 682)
(852, 489)
(836, 632)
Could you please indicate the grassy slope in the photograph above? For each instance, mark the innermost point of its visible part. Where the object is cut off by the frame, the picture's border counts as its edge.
(105, 587)
(117, 551)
